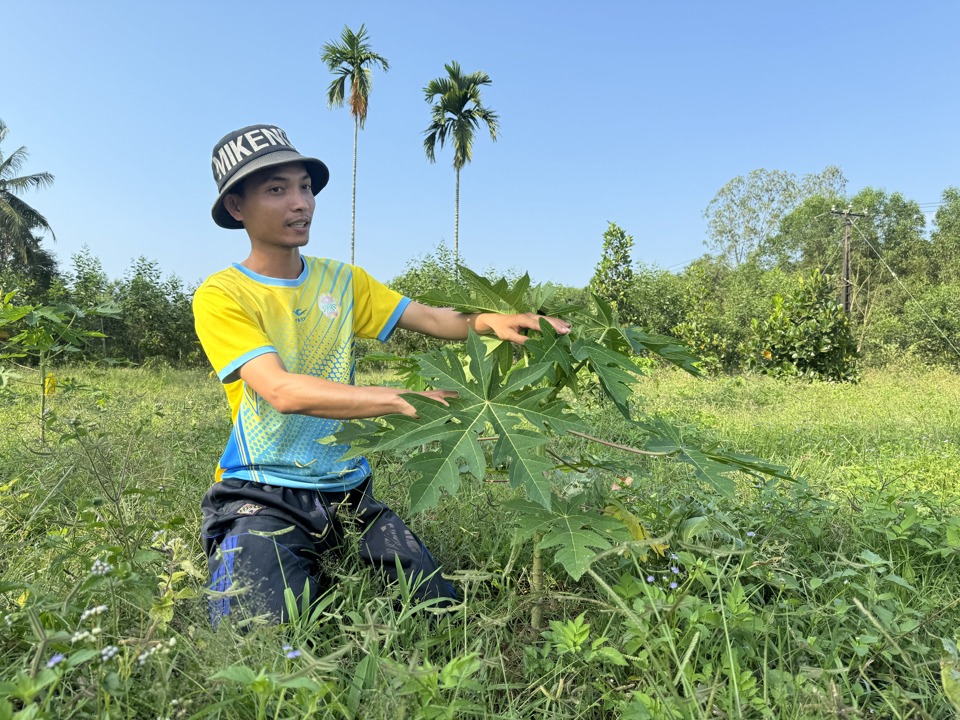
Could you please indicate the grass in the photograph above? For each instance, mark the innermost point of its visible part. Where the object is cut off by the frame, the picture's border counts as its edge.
(828, 597)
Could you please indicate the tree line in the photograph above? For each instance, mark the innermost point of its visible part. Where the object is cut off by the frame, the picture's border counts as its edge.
(764, 297)
(777, 240)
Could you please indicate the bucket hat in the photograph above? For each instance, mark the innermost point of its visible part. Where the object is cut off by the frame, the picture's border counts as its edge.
(247, 150)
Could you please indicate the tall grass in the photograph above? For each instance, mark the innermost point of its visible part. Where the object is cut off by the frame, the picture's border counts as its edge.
(827, 597)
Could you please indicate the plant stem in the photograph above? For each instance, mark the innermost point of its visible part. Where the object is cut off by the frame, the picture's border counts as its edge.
(536, 583)
(625, 448)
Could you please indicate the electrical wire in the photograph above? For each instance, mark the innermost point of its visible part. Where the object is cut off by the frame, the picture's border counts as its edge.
(904, 287)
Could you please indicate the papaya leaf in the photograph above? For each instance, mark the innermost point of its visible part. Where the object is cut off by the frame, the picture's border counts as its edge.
(614, 370)
(711, 464)
(487, 405)
(602, 324)
(577, 534)
(552, 348)
(666, 347)
(476, 293)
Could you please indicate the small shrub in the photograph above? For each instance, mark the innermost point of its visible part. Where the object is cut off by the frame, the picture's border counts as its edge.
(806, 334)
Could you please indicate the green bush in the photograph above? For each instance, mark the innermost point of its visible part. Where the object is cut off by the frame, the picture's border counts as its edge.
(720, 303)
(807, 333)
(659, 298)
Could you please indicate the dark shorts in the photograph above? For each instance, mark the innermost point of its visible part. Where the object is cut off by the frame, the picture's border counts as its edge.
(261, 539)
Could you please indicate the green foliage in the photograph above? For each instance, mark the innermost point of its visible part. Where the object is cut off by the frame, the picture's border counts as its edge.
(351, 60)
(506, 404)
(507, 416)
(945, 238)
(931, 324)
(613, 277)
(806, 334)
(720, 303)
(433, 271)
(660, 298)
(745, 213)
(786, 600)
(39, 335)
(157, 316)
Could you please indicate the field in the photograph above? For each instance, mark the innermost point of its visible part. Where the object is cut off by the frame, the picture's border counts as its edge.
(836, 595)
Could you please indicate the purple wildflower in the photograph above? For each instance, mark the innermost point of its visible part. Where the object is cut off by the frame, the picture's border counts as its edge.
(55, 660)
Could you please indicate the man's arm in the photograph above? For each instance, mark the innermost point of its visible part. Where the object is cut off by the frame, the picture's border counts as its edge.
(307, 395)
(448, 324)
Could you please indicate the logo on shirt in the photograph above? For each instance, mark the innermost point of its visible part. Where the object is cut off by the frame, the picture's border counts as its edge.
(299, 315)
(329, 306)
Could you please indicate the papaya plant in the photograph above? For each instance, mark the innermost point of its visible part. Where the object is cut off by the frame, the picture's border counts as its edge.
(39, 335)
(511, 412)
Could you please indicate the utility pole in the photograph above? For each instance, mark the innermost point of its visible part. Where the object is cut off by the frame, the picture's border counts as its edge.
(847, 222)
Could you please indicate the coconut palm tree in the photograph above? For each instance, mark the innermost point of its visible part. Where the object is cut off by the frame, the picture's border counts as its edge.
(18, 220)
(350, 61)
(457, 114)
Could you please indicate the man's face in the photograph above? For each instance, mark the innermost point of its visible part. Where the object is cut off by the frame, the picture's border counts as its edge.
(276, 207)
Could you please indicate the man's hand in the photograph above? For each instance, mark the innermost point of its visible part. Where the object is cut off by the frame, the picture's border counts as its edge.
(508, 327)
(448, 324)
(439, 395)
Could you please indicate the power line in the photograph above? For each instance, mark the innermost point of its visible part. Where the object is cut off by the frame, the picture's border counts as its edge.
(909, 294)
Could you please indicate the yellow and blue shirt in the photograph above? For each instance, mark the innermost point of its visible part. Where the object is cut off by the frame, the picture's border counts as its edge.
(311, 323)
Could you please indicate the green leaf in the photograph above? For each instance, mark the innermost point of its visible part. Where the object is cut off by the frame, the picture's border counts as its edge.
(476, 293)
(668, 348)
(710, 464)
(81, 656)
(576, 534)
(551, 349)
(614, 370)
(487, 405)
(236, 673)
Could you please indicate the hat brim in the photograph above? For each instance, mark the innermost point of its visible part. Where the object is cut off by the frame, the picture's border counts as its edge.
(319, 176)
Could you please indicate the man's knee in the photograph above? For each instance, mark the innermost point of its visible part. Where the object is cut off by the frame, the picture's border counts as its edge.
(252, 568)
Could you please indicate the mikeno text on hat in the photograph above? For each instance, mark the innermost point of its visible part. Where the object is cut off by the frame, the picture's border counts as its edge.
(243, 152)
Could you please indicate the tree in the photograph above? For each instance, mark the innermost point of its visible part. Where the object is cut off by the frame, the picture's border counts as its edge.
(19, 222)
(891, 237)
(350, 61)
(746, 212)
(457, 113)
(613, 278)
(945, 239)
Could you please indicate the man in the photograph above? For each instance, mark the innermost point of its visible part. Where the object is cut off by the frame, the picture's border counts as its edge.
(279, 330)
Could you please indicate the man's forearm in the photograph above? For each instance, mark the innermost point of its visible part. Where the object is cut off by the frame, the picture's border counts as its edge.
(290, 393)
(318, 397)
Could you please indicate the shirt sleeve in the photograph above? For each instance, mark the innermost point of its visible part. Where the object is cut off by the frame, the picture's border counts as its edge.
(229, 335)
(377, 308)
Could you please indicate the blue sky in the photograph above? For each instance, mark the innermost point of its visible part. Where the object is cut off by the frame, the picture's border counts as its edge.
(630, 112)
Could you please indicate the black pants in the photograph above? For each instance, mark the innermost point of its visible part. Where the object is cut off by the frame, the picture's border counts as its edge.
(260, 539)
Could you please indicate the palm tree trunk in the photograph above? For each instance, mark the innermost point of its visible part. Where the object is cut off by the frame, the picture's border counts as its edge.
(353, 209)
(456, 229)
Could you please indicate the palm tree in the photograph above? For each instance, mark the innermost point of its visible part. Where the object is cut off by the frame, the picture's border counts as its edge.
(18, 220)
(348, 60)
(457, 113)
